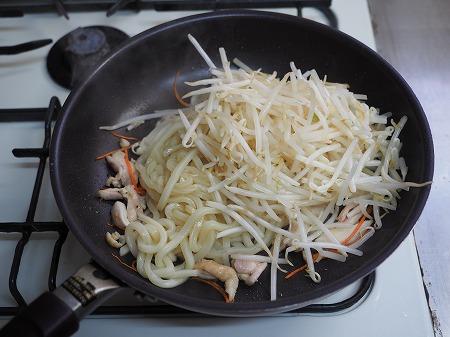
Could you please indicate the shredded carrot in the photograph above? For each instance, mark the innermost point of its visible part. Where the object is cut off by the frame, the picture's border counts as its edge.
(141, 191)
(123, 263)
(118, 135)
(345, 242)
(354, 231)
(175, 92)
(215, 286)
(130, 168)
(298, 270)
(104, 155)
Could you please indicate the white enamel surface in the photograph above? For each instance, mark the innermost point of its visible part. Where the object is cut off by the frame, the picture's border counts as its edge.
(396, 306)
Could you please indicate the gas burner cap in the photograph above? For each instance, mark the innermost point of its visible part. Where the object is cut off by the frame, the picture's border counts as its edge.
(76, 54)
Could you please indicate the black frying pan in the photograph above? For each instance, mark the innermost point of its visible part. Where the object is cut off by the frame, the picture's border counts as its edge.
(138, 77)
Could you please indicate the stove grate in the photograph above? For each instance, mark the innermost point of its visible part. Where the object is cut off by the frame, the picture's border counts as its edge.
(14, 8)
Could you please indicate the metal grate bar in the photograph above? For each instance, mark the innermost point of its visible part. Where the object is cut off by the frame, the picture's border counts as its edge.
(113, 6)
(61, 9)
(62, 232)
(38, 227)
(24, 47)
(11, 13)
(15, 269)
(30, 226)
(23, 115)
(54, 104)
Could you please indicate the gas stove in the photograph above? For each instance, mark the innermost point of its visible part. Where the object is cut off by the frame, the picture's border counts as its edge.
(38, 250)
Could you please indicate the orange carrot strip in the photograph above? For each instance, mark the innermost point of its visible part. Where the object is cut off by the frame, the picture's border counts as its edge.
(130, 170)
(141, 191)
(175, 92)
(123, 263)
(118, 135)
(346, 242)
(104, 155)
(298, 270)
(354, 231)
(215, 286)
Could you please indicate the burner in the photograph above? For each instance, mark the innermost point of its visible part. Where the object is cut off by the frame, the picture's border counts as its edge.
(77, 53)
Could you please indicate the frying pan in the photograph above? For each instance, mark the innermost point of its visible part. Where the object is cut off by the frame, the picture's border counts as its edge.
(137, 78)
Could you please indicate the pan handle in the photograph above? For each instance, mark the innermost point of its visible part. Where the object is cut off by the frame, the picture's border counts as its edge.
(58, 313)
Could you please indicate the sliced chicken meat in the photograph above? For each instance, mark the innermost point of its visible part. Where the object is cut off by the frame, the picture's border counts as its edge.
(249, 271)
(223, 273)
(118, 164)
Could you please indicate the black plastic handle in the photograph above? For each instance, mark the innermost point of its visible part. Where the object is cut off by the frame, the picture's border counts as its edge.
(57, 314)
(47, 316)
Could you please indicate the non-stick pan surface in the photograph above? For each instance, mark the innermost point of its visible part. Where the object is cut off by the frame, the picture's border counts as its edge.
(138, 78)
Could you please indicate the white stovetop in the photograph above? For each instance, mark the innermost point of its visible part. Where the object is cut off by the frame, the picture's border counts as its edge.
(396, 306)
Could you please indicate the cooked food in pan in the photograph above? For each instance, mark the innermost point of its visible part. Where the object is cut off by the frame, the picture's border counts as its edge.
(255, 168)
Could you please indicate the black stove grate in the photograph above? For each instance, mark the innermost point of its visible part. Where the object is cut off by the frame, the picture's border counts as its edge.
(30, 226)
(13, 8)
(17, 8)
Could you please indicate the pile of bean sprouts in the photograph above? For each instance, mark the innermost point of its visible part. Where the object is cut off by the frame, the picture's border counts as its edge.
(261, 165)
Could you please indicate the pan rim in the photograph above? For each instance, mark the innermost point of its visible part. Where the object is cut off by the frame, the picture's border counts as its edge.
(240, 308)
